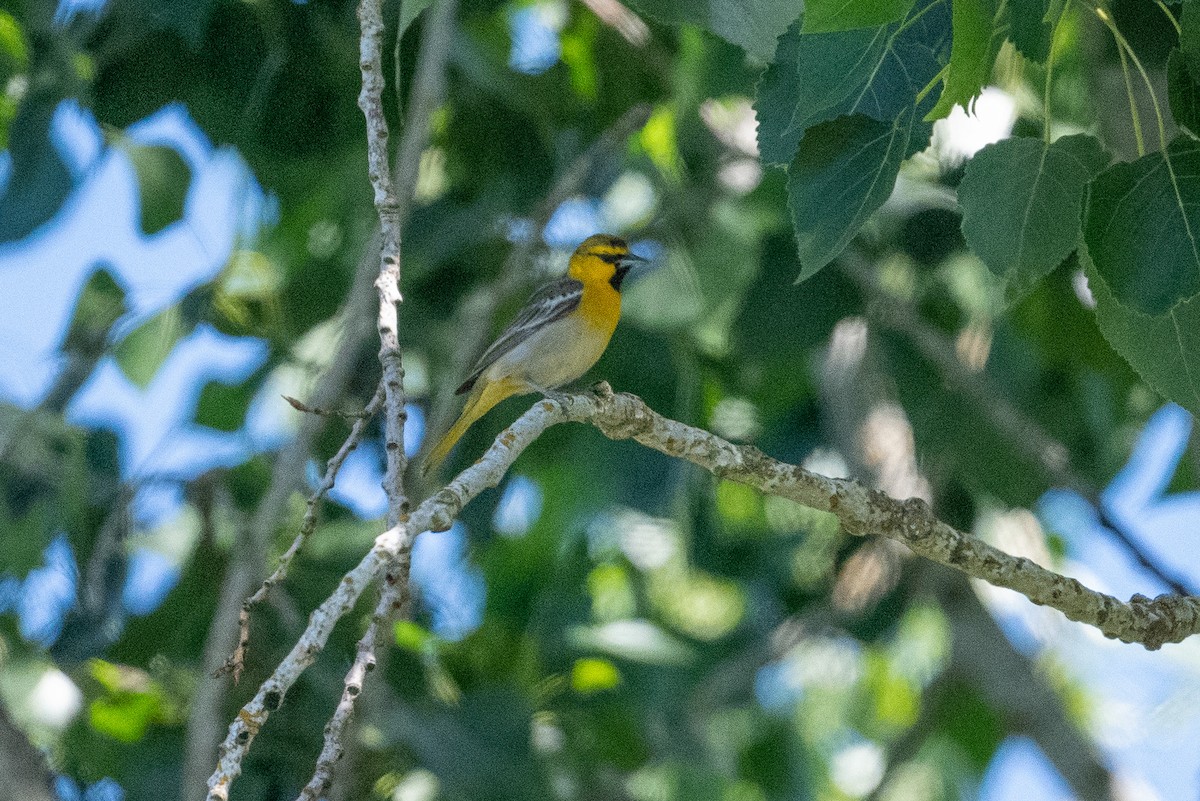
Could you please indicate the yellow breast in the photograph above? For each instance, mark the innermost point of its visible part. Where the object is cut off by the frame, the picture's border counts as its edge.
(600, 306)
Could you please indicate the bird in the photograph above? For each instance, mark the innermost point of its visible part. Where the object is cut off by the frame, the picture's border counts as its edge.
(560, 333)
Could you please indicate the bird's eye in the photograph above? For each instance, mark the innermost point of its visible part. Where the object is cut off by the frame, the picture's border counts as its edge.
(611, 258)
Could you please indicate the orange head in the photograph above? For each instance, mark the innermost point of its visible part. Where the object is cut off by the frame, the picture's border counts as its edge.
(602, 258)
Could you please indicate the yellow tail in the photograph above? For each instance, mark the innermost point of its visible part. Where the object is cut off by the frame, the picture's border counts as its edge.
(479, 403)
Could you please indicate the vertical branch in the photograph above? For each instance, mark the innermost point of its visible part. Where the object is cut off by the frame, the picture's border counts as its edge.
(370, 100)
(427, 92)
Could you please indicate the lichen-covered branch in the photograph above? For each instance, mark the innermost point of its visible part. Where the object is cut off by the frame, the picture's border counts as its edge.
(390, 601)
(370, 100)
(236, 662)
(1043, 450)
(270, 694)
(391, 204)
(861, 511)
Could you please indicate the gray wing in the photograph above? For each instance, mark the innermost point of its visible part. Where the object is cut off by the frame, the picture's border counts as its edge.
(552, 302)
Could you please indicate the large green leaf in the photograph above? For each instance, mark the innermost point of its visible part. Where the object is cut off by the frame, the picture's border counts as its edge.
(1164, 349)
(163, 178)
(843, 171)
(1022, 202)
(753, 25)
(824, 16)
(1189, 35)
(972, 54)
(144, 349)
(1183, 93)
(1141, 224)
(1029, 29)
(38, 180)
(877, 72)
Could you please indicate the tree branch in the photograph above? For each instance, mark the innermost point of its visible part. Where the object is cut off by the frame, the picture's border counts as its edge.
(26, 777)
(1026, 434)
(236, 661)
(428, 88)
(861, 512)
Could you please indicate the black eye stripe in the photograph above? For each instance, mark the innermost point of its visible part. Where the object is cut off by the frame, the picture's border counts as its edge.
(611, 258)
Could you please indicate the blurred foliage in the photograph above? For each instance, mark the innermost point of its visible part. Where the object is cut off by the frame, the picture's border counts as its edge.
(653, 633)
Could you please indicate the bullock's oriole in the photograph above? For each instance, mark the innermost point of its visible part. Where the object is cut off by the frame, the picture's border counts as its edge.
(562, 331)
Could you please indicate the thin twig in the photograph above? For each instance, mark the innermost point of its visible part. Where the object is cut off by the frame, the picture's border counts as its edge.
(1050, 455)
(390, 602)
(236, 662)
(301, 406)
(287, 476)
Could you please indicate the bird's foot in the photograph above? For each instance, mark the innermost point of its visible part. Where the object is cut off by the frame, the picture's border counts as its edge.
(552, 394)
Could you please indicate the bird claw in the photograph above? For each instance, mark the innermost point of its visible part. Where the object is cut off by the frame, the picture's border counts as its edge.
(551, 394)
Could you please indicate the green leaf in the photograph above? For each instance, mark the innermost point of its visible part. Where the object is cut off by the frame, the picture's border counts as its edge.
(1183, 92)
(1141, 223)
(1164, 349)
(14, 50)
(143, 350)
(972, 55)
(130, 703)
(163, 178)
(1022, 204)
(825, 16)
(224, 407)
(1029, 29)
(1189, 36)
(190, 21)
(38, 179)
(409, 11)
(844, 171)
(877, 72)
(101, 303)
(753, 25)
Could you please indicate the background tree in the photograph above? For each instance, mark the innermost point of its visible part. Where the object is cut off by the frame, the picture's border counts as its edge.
(989, 322)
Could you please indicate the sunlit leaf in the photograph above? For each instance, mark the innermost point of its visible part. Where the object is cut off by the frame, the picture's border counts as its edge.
(824, 16)
(594, 675)
(636, 640)
(972, 54)
(143, 350)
